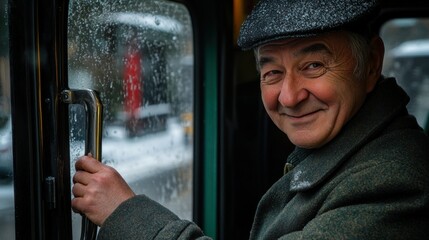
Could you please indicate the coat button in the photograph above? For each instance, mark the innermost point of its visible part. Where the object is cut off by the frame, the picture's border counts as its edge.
(288, 167)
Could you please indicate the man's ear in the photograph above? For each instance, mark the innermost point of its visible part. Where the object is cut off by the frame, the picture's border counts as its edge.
(376, 62)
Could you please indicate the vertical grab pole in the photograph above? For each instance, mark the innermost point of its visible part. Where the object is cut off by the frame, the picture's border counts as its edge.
(94, 117)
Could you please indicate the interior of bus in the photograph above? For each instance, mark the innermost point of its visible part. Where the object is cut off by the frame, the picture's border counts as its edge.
(182, 115)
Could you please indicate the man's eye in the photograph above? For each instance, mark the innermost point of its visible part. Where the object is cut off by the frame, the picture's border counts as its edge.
(272, 75)
(313, 70)
(314, 65)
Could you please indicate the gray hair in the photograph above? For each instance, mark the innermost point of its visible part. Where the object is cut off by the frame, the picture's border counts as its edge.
(361, 51)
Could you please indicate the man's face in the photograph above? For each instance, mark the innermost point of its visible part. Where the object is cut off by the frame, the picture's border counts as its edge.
(308, 87)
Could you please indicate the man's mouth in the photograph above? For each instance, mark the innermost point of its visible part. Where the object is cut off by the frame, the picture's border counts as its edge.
(300, 115)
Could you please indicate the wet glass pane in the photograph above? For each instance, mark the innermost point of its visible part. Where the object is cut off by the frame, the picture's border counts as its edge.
(139, 56)
(407, 58)
(7, 214)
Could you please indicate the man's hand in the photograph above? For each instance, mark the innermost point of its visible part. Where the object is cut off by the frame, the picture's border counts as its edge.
(98, 189)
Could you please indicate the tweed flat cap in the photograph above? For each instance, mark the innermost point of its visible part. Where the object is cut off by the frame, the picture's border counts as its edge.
(278, 19)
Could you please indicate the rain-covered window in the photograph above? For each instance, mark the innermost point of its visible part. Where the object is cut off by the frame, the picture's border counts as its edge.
(7, 209)
(407, 58)
(139, 56)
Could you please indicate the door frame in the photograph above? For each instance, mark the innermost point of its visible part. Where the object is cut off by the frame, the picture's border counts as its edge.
(38, 73)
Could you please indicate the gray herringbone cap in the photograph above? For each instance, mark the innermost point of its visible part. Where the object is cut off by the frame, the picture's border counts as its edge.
(279, 19)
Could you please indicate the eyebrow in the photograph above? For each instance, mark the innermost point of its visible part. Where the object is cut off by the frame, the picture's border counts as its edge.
(314, 48)
(264, 60)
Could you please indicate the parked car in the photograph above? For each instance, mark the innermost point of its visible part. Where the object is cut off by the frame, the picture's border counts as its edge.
(409, 64)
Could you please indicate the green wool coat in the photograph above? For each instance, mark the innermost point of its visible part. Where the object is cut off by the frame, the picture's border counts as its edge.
(370, 182)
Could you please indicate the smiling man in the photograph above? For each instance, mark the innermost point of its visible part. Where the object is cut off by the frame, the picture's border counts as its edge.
(360, 169)
(309, 87)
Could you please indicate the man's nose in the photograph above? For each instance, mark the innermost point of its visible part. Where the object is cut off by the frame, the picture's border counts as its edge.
(292, 92)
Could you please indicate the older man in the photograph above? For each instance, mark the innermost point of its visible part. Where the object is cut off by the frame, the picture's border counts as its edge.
(361, 166)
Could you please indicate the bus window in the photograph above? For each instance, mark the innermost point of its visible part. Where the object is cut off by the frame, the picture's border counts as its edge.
(139, 56)
(7, 213)
(407, 58)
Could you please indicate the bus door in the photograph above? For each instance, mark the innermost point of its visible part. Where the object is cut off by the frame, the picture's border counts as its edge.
(110, 78)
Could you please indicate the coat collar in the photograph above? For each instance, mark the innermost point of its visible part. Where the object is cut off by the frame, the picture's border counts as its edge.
(382, 105)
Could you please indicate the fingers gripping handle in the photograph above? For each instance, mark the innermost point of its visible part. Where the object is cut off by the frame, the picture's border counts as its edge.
(94, 112)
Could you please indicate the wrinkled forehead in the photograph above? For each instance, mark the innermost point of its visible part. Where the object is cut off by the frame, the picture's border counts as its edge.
(282, 43)
(323, 42)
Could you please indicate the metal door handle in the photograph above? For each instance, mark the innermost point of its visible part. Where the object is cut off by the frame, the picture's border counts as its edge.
(94, 113)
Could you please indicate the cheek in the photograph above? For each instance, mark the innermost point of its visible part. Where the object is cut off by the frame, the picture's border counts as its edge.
(343, 96)
(269, 96)
(336, 86)
(325, 91)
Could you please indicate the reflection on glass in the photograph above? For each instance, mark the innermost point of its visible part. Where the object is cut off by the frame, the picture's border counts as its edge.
(407, 58)
(139, 56)
(7, 210)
